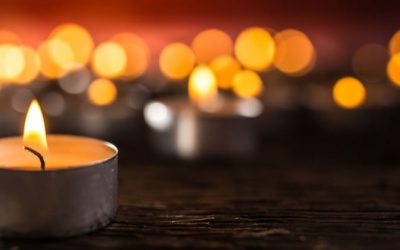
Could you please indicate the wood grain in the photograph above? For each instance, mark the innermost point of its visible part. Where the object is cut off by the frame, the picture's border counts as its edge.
(247, 207)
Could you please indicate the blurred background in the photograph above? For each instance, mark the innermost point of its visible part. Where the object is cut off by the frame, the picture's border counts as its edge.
(232, 81)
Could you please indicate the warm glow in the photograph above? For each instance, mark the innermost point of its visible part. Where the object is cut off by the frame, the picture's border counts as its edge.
(12, 62)
(176, 61)
(224, 67)
(255, 48)
(109, 60)
(295, 54)
(210, 44)
(79, 40)
(349, 92)
(137, 52)
(102, 92)
(55, 55)
(9, 37)
(247, 83)
(31, 66)
(393, 69)
(34, 129)
(394, 44)
(202, 85)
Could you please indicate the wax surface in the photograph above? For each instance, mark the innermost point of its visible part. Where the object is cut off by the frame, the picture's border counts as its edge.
(65, 151)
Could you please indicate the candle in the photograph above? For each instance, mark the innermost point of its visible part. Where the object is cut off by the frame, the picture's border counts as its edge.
(208, 126)
(55, 186)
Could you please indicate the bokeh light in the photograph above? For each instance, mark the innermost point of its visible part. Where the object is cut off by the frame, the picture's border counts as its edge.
(31, 67)
(369, 63)
(394, 43)
(349, 92)
(158, 116)
(8, 37)
(55, 55)
(102, 92)
(21, 99)
(52, 103)
(109, 60)
(137, 52)
(255, 48)
(76, 79)
(249, 107)
(177, 61)
(247, 83)
(12, 62)
(224, 67)
(295, 54)
(202, 85)
(210, 44)
(393, 69)
(78, 38)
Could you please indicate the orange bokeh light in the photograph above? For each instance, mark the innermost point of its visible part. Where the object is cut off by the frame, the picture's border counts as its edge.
(109, 60)
(78, 38)
(224, 67)
(255, 48)
(102, 92)
(247, 83)
(349, 93)
(295, 54)
(137, 52)
(176, 61)
(393, 69)
(210, 44)
(55, 55)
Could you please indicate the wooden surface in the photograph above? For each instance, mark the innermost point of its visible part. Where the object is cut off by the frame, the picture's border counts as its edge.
(242, 207)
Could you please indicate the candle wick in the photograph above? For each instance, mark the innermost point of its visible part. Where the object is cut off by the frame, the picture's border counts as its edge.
(42, 163)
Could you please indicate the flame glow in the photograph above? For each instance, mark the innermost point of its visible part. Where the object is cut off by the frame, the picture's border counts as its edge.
(34, 129)
(202, 85)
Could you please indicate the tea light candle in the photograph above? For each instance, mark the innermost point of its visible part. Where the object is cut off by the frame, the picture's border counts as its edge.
(207, 125)
(65, 190)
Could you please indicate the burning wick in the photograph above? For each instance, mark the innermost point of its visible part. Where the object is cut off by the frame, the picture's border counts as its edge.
(42, 163)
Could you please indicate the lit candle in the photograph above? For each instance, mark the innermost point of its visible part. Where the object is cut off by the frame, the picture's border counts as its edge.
(207, 126)
(55, 186)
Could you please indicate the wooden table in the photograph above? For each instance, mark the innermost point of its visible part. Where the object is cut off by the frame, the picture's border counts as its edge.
(260, 206)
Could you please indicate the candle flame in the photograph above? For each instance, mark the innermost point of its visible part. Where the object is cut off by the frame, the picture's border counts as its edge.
(34, 129)
(202, 85)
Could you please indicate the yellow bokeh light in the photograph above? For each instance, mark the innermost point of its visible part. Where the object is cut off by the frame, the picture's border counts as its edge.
(255, 48)
(202, 85)
(12, 62)
(247, 83)
(224, 67)
(349, 92)
(394, 44)
(137, 52)
(210, 44)
(393, 69)
(176, 61)
(8, 37)
(102, 92)
(31, 67)
(295, 54)
(78, 38)
(55, 55)
(109, 60)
